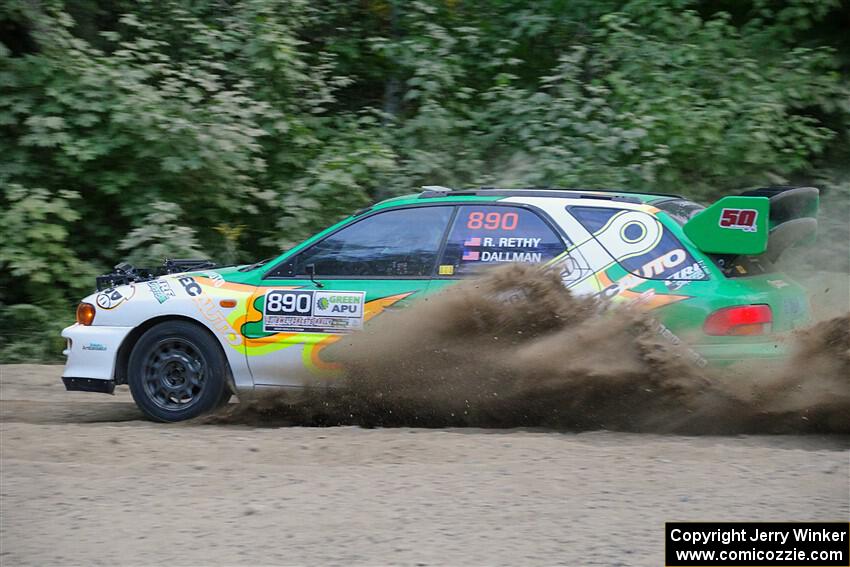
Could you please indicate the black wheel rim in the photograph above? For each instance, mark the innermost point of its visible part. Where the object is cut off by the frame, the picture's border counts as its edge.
(174, 374)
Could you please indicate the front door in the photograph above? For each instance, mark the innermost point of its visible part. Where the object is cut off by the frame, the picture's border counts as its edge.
(377, 262)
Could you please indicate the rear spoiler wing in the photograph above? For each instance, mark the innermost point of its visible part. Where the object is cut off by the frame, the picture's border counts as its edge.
(761, 221)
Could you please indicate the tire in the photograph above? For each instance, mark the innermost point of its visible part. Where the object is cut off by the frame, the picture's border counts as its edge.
(177, 371)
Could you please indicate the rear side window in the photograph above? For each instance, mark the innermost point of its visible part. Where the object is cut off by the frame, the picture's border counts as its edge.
(680, 210)
(397, 243)
(494, 234)
(640, 243)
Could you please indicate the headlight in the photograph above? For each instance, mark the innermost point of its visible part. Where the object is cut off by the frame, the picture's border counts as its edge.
(85, 313)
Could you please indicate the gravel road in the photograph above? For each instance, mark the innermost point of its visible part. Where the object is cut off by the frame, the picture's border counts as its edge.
(84, 480)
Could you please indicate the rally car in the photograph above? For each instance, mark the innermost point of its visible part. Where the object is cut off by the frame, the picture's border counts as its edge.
(186, 336)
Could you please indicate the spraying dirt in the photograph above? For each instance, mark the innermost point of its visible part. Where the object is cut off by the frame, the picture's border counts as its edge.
(514, 348)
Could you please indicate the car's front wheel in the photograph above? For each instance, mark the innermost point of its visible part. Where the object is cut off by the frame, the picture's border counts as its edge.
(177, 371)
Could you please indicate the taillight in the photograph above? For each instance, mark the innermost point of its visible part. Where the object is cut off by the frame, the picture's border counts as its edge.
(740, 320)
(85, 313)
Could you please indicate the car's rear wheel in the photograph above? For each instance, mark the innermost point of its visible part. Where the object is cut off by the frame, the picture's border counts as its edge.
(177, 371)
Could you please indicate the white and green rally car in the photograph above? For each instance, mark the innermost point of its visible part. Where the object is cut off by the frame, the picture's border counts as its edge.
(186, 337)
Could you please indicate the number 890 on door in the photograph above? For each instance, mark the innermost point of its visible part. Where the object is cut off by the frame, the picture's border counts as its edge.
(289, 302)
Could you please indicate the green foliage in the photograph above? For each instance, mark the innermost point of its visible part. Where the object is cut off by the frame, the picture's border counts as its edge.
(140, 130)
(160, 236)
(30, 334)
(38, 265)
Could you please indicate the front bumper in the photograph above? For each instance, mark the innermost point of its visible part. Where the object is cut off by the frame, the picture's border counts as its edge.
(88, 385)
(92, 352)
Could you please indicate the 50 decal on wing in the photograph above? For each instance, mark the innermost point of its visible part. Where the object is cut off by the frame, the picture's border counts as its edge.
(741, 219)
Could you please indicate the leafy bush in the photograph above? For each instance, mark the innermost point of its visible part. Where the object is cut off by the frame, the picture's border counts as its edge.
(30, 334)
(38, 263)
(138, 130)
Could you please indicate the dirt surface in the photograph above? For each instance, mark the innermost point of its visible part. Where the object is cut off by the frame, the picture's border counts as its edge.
(83, 480)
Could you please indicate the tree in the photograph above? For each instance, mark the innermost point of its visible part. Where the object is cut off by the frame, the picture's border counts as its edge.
(138, 130)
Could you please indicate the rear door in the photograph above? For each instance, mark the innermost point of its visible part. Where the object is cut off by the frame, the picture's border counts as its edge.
(377, 262)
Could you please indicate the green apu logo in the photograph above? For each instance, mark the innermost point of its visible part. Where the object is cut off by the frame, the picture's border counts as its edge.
(324, 303)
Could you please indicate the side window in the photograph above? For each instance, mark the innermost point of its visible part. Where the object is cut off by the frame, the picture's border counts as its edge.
(640, 243)
(491, 234)
(680, 210)
(398, 243)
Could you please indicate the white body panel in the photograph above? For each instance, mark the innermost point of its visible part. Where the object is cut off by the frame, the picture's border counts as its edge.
(284, 367)
(91, 351)
(124, 308)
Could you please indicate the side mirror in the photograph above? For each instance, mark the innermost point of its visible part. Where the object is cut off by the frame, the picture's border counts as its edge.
(311, 271)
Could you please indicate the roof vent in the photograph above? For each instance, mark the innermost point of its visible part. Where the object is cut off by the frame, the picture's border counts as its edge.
(429, 191)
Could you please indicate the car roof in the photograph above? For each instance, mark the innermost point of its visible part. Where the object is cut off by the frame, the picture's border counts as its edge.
(445, 193)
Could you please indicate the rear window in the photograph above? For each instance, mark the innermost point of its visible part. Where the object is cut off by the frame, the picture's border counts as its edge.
(680, 210)
(640, 243)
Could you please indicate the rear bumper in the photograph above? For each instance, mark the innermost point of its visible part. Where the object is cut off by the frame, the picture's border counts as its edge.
(774, 352)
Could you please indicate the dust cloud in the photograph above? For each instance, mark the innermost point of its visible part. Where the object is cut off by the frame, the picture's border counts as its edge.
(513, 348)
(823, 266)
